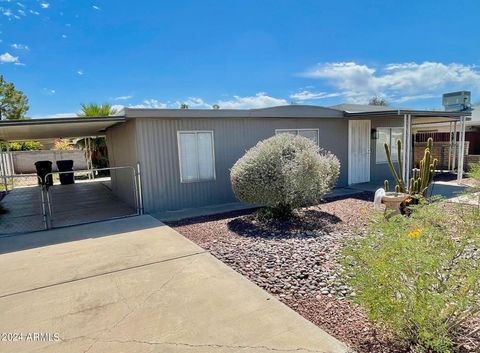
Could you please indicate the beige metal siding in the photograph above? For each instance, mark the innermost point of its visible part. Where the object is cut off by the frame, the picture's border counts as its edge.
(122, 151)
(158, 155)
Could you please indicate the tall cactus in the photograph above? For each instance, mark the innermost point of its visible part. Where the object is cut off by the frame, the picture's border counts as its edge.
(421, 177)
(399, 183)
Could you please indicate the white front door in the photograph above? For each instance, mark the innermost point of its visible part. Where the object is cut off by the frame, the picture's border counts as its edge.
(358, 151)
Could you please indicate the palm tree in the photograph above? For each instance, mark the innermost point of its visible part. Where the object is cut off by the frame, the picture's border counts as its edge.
(98, 145)
(96, 110)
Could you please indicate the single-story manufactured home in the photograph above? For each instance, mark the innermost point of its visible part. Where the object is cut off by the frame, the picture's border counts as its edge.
(184, 156)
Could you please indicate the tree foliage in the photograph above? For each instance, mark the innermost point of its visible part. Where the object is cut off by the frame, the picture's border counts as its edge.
(97, 110)
(23, 146)
(378, 101)
(98, 144)
(13, 103)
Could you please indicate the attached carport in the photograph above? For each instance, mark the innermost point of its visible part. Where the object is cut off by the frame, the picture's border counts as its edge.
(32, 207)
(411, 118)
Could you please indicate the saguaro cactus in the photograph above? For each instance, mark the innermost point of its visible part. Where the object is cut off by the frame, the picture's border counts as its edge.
(421, 177)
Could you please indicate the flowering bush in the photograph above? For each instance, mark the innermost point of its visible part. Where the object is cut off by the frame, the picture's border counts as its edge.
(420, 275)
(24, 146)
(62, 145)
(284, 172)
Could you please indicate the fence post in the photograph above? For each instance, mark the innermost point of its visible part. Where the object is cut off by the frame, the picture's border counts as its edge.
(3, 167)
(46, 222)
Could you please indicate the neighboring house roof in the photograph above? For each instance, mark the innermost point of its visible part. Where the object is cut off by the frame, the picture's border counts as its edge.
(361, 108)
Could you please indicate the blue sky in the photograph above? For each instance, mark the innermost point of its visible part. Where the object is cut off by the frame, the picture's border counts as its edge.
(238, 54)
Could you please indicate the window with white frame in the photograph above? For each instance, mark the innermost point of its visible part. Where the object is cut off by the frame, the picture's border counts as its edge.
(388, 135)
(312, 134)
(196, 154)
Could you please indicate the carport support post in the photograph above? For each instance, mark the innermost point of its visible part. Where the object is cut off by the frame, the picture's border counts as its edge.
(450, 148)
(454, 154)
(139, 190)
(407, 148)
(404, 142)
(461, 149)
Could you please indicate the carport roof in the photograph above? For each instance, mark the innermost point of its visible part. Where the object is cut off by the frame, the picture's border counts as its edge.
(32, 129)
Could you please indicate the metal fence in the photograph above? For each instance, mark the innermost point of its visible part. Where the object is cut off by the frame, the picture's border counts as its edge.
(22, 205)
(95, 195)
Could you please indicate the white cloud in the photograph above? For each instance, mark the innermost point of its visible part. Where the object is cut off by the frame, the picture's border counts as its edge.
(306, 95)
(20, 46)
(260, 100)
(396, 82)
(80, 72)
(194, 102)
(64, 36)
(45, 5)
(6, 12)
(96, 7)
(122, 98)
(7, 58)
(149, 103)
(34, 12)
(414, 98)
(20, 4)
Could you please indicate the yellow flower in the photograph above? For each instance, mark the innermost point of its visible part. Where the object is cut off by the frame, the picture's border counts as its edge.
(415, 233)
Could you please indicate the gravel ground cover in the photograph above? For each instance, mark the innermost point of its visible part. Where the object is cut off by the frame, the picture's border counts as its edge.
(297, 261)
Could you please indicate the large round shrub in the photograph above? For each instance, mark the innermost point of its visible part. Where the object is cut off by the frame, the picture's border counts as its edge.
(284, 172)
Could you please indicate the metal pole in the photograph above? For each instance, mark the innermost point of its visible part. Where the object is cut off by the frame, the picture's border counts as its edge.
(409, 151)
(454, 154)
(11, 166)
(139, 184)
(44, 209)
(405, 147)
(450, 148)
(461, 151)
(89, 160)
(3, 167)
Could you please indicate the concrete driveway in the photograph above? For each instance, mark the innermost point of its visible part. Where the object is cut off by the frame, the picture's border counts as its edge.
(136, 285)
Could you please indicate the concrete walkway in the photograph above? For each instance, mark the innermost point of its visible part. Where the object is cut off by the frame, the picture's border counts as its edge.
(135, 285)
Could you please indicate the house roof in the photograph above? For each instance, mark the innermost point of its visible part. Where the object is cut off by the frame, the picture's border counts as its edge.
(284, 111)
(32, 129)
(17, 130)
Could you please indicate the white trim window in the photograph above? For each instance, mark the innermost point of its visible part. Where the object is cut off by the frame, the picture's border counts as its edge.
(196, 156)
(388, 135)
(311, 134)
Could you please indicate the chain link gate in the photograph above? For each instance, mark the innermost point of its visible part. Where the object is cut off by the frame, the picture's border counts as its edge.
(96, 195)
(22, 205)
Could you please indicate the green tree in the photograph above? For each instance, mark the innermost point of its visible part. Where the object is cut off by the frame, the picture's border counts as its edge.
(183, 106)
(378, 101)
(98, 145)
(13, 103)
(96, 110)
